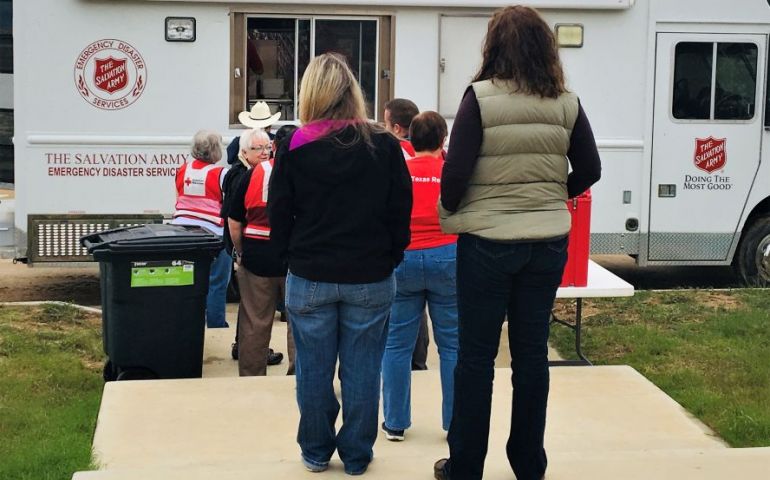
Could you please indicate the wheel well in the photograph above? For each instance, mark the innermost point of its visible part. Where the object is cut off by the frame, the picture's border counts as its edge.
(760, 210)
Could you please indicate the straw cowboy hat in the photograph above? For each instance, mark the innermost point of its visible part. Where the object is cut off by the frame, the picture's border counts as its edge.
(259, 116)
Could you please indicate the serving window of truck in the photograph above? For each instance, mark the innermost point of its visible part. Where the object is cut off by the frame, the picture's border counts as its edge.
(271, 53)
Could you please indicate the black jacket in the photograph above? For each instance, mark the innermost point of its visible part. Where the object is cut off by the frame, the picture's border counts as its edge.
(229, 185)
(260, 257)
(340, 209)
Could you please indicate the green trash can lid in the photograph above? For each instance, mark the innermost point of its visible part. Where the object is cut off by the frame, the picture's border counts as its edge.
(152, 238)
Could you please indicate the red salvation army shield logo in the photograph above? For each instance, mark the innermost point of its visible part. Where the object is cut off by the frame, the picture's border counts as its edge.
(110, 74)
(710, 154)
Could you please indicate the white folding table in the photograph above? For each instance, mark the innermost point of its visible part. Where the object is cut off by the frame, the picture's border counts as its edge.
(601, 283)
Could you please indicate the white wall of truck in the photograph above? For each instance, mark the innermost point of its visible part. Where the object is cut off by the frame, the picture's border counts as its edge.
(622, 73)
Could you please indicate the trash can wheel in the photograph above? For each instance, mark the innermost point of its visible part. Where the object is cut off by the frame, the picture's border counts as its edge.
(136, 373)
(109, 374)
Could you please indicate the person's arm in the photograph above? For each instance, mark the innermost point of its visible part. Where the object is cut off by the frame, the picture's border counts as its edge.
(227, 193)
(583, 157)
(280, 199)
(463, 152)
(236, 235)
(399, 203)
(237, 215)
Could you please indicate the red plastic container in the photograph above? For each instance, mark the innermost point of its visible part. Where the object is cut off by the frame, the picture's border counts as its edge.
(576, 271)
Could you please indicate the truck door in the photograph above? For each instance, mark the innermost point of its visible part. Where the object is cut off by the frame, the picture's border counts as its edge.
(706, 142)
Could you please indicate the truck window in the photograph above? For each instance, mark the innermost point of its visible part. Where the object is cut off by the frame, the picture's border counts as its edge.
(692, 80)
(278, 51)
(708, 90)
(736, 83)
(6, 36)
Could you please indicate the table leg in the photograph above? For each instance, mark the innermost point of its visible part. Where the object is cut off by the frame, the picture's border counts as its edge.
(577, 328)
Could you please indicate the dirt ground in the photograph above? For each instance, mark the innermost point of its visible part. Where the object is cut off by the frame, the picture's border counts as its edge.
(20, 283)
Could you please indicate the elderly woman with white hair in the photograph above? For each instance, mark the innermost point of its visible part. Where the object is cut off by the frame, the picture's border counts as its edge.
(199, 202)
(249, 154)
(262, 272)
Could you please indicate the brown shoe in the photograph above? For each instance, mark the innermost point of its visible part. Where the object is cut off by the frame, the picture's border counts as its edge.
(441, 470)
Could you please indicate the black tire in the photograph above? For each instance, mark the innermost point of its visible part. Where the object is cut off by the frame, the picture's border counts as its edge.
(136, 373)
(752, 260)
(109, 374)
(233, 294)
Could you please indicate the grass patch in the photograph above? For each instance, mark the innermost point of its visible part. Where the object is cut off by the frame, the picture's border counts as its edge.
(50, 388)
(710, 351)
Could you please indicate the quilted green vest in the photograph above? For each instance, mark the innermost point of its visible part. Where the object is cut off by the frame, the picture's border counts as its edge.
(518, 190)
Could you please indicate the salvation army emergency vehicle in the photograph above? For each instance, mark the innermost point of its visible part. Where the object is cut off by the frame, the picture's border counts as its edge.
(108, 94)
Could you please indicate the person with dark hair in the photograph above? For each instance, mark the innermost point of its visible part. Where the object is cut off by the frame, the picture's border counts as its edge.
(399, 114)
(339, 205)
(504, 189)
(426, 275)
(281, 134)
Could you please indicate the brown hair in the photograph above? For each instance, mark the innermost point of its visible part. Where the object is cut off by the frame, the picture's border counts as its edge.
(427, 131)
(520, 47)
(402, 111)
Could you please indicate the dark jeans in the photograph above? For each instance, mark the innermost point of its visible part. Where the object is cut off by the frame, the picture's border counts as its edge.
(495, 279)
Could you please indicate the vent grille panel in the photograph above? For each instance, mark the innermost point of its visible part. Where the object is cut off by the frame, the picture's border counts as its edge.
(56, 238)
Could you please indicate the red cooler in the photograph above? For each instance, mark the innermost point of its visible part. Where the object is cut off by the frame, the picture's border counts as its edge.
(576, 271)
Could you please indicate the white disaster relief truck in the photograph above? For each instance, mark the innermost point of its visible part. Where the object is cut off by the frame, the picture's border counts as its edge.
(108, 94)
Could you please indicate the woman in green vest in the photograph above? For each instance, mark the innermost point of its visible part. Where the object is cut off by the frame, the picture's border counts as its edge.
(504, 189)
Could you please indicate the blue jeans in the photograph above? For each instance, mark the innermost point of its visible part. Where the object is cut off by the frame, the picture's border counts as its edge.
(216, 299)
(349, 321)
(427, 275)
(495, 279)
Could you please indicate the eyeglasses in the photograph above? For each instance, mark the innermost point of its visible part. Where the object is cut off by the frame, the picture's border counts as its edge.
(261, 148)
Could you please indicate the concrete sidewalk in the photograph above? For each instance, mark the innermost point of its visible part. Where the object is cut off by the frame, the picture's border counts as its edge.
(600, 419)
(604, 423)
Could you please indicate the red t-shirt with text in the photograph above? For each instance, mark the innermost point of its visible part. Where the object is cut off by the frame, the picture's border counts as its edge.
(426, 188)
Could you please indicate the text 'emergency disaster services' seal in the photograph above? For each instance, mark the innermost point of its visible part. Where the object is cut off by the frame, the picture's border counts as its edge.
(110, 74)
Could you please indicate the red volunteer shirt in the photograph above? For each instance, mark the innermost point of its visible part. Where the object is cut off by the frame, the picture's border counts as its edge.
(426, 187)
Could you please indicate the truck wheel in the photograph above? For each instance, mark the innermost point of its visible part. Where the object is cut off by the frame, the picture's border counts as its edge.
(753, 257)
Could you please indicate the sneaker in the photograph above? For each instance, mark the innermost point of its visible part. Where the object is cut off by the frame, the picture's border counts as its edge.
(393, 435)
(441, 470)
(274, 358)
(312, 467)
(234, 351)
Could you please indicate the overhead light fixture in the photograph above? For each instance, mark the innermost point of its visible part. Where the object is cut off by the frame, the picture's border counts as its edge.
(180, 29)
(569, 35)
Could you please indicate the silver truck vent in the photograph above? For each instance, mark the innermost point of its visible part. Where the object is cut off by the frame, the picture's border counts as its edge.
(56, 238)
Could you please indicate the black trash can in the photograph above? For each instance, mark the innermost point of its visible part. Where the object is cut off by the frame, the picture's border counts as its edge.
(154, 280)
